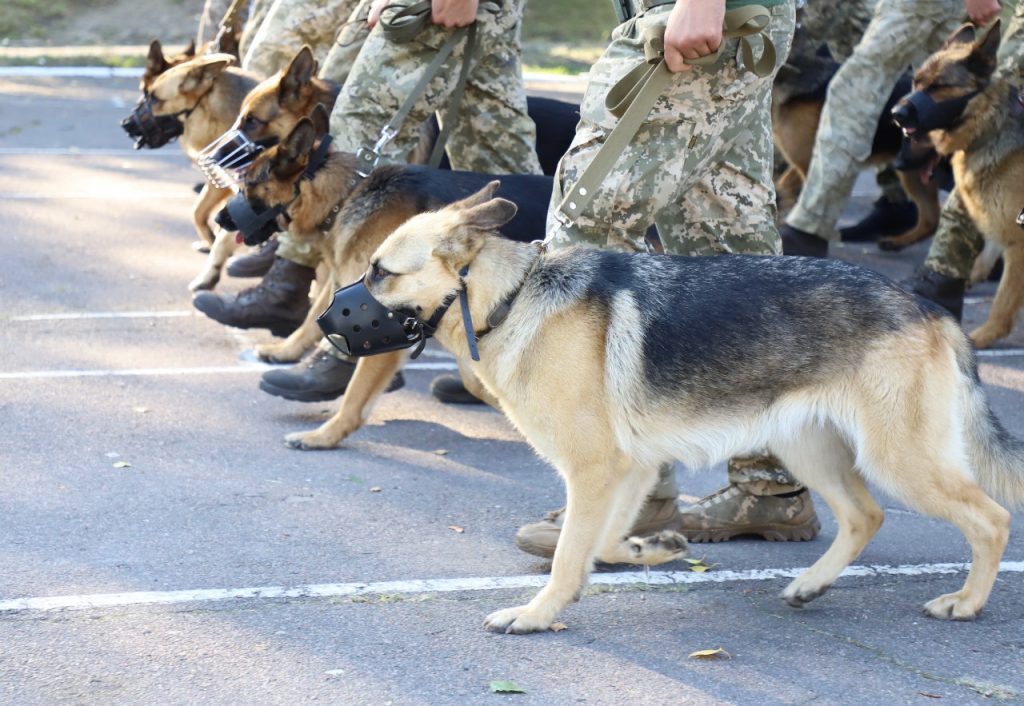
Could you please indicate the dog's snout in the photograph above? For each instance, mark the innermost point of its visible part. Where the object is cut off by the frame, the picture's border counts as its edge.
(903, 115)
(225, 221)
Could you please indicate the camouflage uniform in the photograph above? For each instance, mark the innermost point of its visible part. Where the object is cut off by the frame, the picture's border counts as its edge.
(257, 13)
(840, 25)
(493, 132)
(700, 168)
(901, 33)
(957, 242)
(209, 20)
(289, 25)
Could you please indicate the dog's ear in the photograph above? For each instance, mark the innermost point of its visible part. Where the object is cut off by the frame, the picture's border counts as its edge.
(983, 57)
(297, 75)
(483, 196)
(321, 120)
(491, 215)
(293, 154)
(204, 71)
(156, 64)
(963, 35)
(190, 50)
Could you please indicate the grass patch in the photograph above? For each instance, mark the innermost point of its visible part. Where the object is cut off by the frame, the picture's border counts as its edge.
(20, 19)
(569, 21)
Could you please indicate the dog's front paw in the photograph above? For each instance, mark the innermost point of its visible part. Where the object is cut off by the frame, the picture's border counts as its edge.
(953, 606)
(309, 441)
(516, 621)
(204, 281)
(987, 334)
(276, 353)
(659, 548)
(799, 593)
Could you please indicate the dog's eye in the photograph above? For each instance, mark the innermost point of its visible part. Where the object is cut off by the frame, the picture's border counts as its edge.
(251, 122)
(380, 273)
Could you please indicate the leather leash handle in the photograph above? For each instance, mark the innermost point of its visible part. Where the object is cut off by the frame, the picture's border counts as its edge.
(403, 23)
(633, 96)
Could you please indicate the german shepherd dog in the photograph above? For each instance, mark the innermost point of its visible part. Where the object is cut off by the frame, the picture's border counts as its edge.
(975, 116)
(157, 62)
(612, 363)
(347, 218)
(203, 94)
(798, 97)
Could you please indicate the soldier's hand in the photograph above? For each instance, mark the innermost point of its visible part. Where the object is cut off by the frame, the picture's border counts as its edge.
(982, 12)
(694, 30)
(375, 10)
(454, 13)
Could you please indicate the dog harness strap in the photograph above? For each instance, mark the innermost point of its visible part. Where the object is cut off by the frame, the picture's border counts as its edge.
(633, 96)
(402, 24)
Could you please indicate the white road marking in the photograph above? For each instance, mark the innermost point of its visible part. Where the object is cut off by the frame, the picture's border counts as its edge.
(1000, 352)
(103, 196)
(73, 316)
(88, 152)
(201, 370)
(497, 583)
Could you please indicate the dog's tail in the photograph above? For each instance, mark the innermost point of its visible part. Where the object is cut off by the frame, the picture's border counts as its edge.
(996, 456)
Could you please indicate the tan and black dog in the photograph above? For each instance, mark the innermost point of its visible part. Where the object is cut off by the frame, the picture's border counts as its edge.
(973, 115)
(611, 363)
(157, 62)
(346, 217)
(798, 97)
(195, 101)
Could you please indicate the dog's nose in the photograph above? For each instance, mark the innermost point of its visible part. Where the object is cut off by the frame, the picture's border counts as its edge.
(225, 221)
(904, 115)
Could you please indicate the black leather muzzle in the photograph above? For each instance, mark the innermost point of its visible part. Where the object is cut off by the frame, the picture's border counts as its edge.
(358, 325)
(254, 226)
(152, 131)
(918, 112)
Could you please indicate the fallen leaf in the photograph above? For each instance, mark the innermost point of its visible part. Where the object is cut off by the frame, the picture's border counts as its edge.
(708, 654)
(456, 529)
(558, 627)
(440, 452)
(334, 672)
(698, 565)
(693, 561)
(140, 410)
(506, 687)
(112, 454)
(930, 695)
(375, 489)
(699, 568)
(122, 464)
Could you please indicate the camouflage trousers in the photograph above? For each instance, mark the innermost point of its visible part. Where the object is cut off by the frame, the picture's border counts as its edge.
(840, 25)
(258, 10)
(957, 242)
(209, 20)
(492, 133)
(290, 24)
(700, 168)
(900, 34)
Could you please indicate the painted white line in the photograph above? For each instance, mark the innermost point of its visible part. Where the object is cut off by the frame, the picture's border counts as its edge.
(104, 196)
(73, 316)
(324, 590)
(69, 72)
(88, 152)
(1000, 353)
(155, 372)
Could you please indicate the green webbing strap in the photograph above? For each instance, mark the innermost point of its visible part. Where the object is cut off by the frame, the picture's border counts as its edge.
(401, 23)
(633, 96)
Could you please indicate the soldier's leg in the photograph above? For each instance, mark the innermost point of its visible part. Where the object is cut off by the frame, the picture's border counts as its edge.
(257, 13)
(348, 42)
(385, 72)
(209, 20)
(288, 26)
(900, 34)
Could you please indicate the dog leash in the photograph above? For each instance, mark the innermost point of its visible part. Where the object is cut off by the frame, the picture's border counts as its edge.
(403, 24)
(633, 96)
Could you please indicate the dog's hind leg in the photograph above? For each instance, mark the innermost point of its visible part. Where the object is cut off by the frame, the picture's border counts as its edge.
(591, 489)
(617, 547)
(821, 459)
(370, 379)
(1008, 301)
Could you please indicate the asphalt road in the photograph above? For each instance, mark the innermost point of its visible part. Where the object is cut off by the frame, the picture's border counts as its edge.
(104, 364)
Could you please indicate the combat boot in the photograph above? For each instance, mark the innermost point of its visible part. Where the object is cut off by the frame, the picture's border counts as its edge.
(947, 292)
(449, 389)
(801, 243)
(279, 303)
(256, 264)
(734, 511)
(886, 218)
(540, 538)
(319, 377)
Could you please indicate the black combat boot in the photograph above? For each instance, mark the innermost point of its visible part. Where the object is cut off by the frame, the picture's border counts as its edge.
(279, 303)
(947, 292)
(317, 378)
(256, 264)
(886, 218)
(802, 243)
(449, 389)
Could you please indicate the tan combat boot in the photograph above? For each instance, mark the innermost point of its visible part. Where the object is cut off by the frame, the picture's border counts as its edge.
(734, 511)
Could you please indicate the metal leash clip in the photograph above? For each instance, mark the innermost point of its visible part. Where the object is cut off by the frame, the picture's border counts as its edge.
(368, 157)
